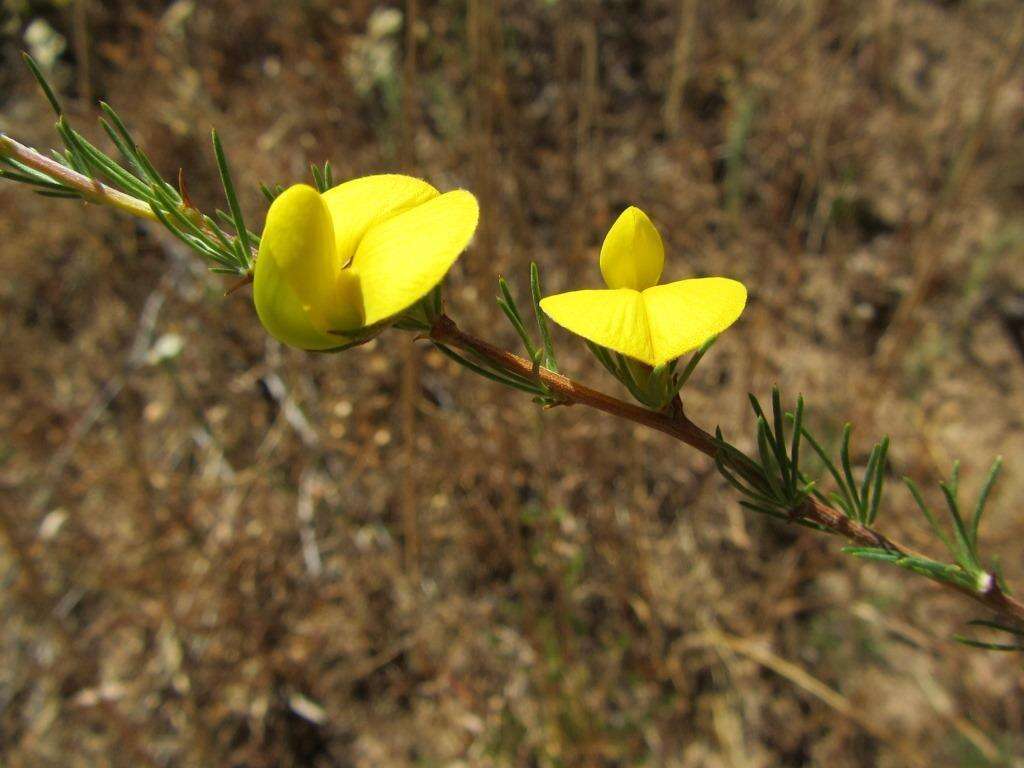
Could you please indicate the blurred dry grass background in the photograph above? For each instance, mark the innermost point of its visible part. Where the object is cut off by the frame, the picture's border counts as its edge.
(216, 551)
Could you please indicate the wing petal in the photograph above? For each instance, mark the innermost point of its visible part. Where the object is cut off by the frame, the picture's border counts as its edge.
(358, 205)
(685, 314)
(401, 259)
(612, 318)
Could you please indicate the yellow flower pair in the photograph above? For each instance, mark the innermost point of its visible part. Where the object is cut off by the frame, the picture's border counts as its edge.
(334, 265)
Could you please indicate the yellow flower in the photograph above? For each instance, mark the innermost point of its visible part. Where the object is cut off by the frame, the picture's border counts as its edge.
(637, 317)
(330, 265)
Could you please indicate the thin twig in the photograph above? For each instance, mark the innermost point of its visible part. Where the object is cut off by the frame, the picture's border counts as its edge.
(91, 190)
(678, 425)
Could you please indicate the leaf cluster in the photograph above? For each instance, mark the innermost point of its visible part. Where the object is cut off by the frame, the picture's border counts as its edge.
(770, 481)
(540, 352)
(222, 239)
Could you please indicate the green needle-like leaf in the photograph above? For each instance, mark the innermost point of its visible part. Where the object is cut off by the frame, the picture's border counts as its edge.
(44, 84)
(542, 324)
(843, 499)
(986, 489)
(691, 365)
(481, 371)
(767, 454)
(229, 192)
(270, 194)
(1018, 631)
(778, 441)
(59, 193)
(987, 646)
(843, 503)
(794, 449)
(127, 146)
(964, 551)
(844, 460)
(873, 553)
(926, 511)
(879, 481)
(510, 308)
(764, 509)
(758, 412)
(742, 487)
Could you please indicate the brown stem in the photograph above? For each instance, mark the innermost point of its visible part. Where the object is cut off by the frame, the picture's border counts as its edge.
(676, 424)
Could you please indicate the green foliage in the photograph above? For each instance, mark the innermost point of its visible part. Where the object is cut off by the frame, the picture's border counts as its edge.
(541, 354)
(771, 482)
(960, 539)
(323, 178)
(861, 501)
(770, 479)
(222, 240)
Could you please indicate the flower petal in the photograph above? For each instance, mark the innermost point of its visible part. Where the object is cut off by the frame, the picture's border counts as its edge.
(399, 260)
(296, 269)
(685, 314)
(613, 318)
(632, 255)
(357, 205)
(282, 314)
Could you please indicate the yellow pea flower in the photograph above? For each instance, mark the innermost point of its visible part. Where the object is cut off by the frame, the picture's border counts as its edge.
(634, 315)
(331, 265)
